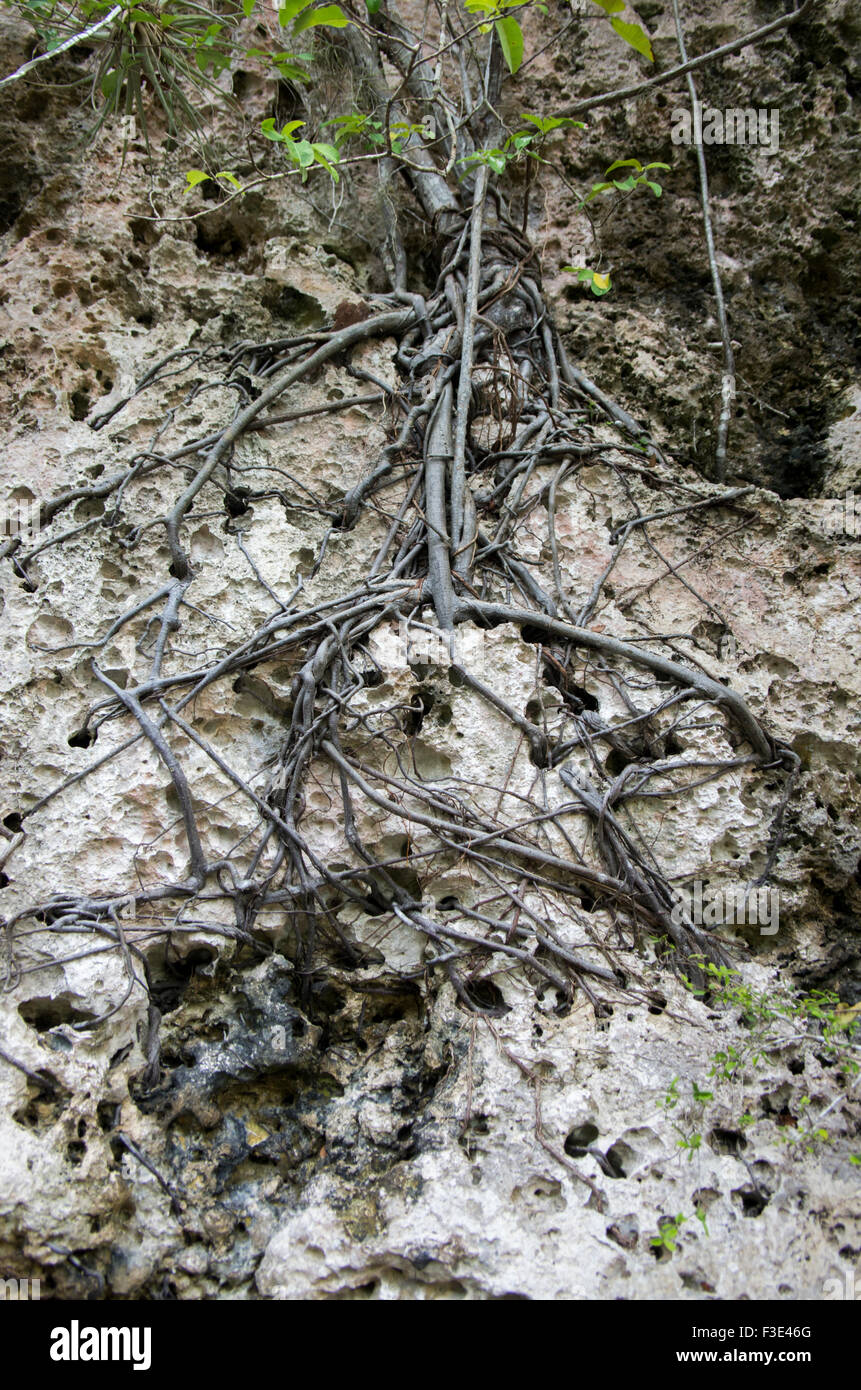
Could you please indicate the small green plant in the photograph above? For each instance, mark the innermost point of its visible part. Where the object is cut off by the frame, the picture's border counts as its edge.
(375, 134)
(725, 1063)
(598, 284)
(776, 1017)
(809, 1134)
(689, 1140)
(670, 1226)
(637, 178)
(521, 144)
(197, 176)
(668, 1232)
(303, 153)
(773, 1019)
(671, 1099)
(700, 1214)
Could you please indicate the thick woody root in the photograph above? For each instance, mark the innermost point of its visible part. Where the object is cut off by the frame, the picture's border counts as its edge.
(492, 424)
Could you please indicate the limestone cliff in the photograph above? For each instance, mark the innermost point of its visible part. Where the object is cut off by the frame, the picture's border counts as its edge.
(187, 1107)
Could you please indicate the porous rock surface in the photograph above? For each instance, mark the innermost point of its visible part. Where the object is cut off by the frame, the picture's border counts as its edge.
(395, 1146)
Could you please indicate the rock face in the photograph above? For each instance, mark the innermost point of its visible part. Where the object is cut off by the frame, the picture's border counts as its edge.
(368, 1136)
(784, 224)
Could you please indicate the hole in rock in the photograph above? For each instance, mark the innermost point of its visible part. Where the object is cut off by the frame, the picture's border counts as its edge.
(236, 503)
(82, 738)
(580, 1139)
(46, 1100)
(44, 1013)
(727, 1141)
(486, 997)
(80, 403)
(752, 1200)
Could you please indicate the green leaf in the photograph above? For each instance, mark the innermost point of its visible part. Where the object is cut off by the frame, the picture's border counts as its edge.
(623, 164)
(231, 178)
(283, 136)
(289, 9)
(247, 7)
(301, 152)
(373, 6)
(600, 284)
(634, 35)
(194, 177)
(595, 190)
(288, 69)
(510, 36)
(111, 83)
(547, 123)
(611, 6)
(329, 16)
(655, 187)
(328, 156)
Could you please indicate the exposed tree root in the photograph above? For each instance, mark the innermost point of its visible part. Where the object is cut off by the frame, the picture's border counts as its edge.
(490, 423)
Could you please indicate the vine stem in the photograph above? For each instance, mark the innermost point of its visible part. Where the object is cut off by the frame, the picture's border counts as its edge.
(464, 385)
(61, 48)
(728, 379)
(659, 665)
(579, 108)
